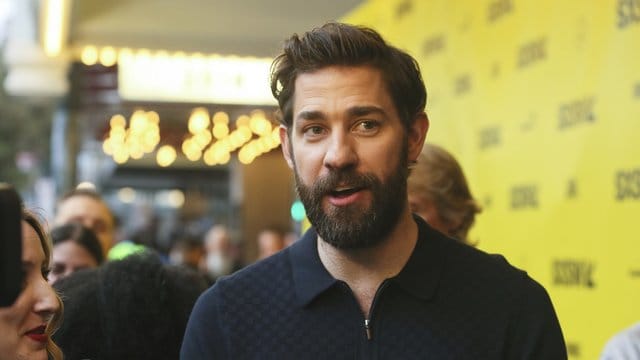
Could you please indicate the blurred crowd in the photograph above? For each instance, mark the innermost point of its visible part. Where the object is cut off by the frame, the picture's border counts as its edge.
(136, 299)
(120, 298)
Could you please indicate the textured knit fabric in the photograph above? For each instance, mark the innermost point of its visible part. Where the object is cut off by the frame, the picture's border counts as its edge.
(450, 301)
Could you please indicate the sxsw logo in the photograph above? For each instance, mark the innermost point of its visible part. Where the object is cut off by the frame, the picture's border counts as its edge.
(490, 137)
(573, 273)
(524, 197)
(628, 12)
(498, 8)
(628, 184)
(433, 45)
(576, 112)
(532, 52)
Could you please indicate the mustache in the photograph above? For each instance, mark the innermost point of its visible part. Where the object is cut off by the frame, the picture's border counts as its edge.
(349, 178)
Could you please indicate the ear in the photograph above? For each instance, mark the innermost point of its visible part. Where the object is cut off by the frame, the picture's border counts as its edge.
(417, 135)
(286, 150)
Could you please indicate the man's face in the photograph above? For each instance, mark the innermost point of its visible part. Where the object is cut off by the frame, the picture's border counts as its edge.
(91, 213)
(349, 151)
(269, 243)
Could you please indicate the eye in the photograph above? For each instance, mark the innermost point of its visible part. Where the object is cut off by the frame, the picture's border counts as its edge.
(45, 273)
(367, 126)
(313, 131)
(57, 269)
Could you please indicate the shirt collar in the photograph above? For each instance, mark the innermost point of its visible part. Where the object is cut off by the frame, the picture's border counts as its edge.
(310, 277)
(419, 277)
(422, 272)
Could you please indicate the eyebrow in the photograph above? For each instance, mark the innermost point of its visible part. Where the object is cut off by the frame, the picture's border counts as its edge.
(353, 112)
(365, 110)
(310, 115)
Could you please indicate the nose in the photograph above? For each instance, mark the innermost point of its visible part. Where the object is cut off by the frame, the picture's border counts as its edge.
(341, 152)
(88, 222)
(47, 302)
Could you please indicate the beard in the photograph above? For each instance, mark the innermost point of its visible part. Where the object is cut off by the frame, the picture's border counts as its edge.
(356, 226)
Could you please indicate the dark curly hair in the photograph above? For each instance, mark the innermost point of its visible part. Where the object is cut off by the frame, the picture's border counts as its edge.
(135, 308)
(348, 45)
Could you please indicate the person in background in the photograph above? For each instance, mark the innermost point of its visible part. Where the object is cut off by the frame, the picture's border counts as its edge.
(87, 207)
(75, 247)
(625, 345)
(439, 193)
(27, 325)
(134, 308)
(369, 279)
(187, 251)
(270, 240)
(221, 255)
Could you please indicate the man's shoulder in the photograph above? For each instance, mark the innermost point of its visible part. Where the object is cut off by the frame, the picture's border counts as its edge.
(259, 291)
(463, 259)
(488, 261)
(484, 269)
(260, 278)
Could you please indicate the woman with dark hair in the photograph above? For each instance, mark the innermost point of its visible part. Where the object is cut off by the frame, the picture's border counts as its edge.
(135, 308)
(27, 325)
(75, 247)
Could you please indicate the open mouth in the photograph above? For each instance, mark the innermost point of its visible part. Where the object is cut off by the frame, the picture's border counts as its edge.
(38, 334)
(343, 192)
(37, 330)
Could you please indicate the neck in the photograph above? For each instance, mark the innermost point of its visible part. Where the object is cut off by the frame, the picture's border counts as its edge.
(365, 269)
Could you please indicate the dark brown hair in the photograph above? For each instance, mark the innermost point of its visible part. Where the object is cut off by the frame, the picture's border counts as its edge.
(348, 45)
(82, 236)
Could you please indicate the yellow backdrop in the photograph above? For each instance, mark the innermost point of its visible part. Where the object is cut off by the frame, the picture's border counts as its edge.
(540, 102)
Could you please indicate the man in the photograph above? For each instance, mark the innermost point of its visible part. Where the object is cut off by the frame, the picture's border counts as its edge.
(369, 280)
(219, 259)
(187, 251)
(270, 240)
(87, 207)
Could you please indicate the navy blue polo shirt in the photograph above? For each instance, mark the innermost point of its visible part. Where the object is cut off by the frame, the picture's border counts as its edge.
(450, 301)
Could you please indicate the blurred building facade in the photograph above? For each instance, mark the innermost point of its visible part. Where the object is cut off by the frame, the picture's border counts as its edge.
(166, 111)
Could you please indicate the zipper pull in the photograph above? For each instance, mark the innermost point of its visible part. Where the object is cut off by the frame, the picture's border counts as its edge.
(367, 328)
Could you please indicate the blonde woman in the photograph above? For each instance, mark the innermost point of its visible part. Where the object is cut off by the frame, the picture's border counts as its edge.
(27, 325)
